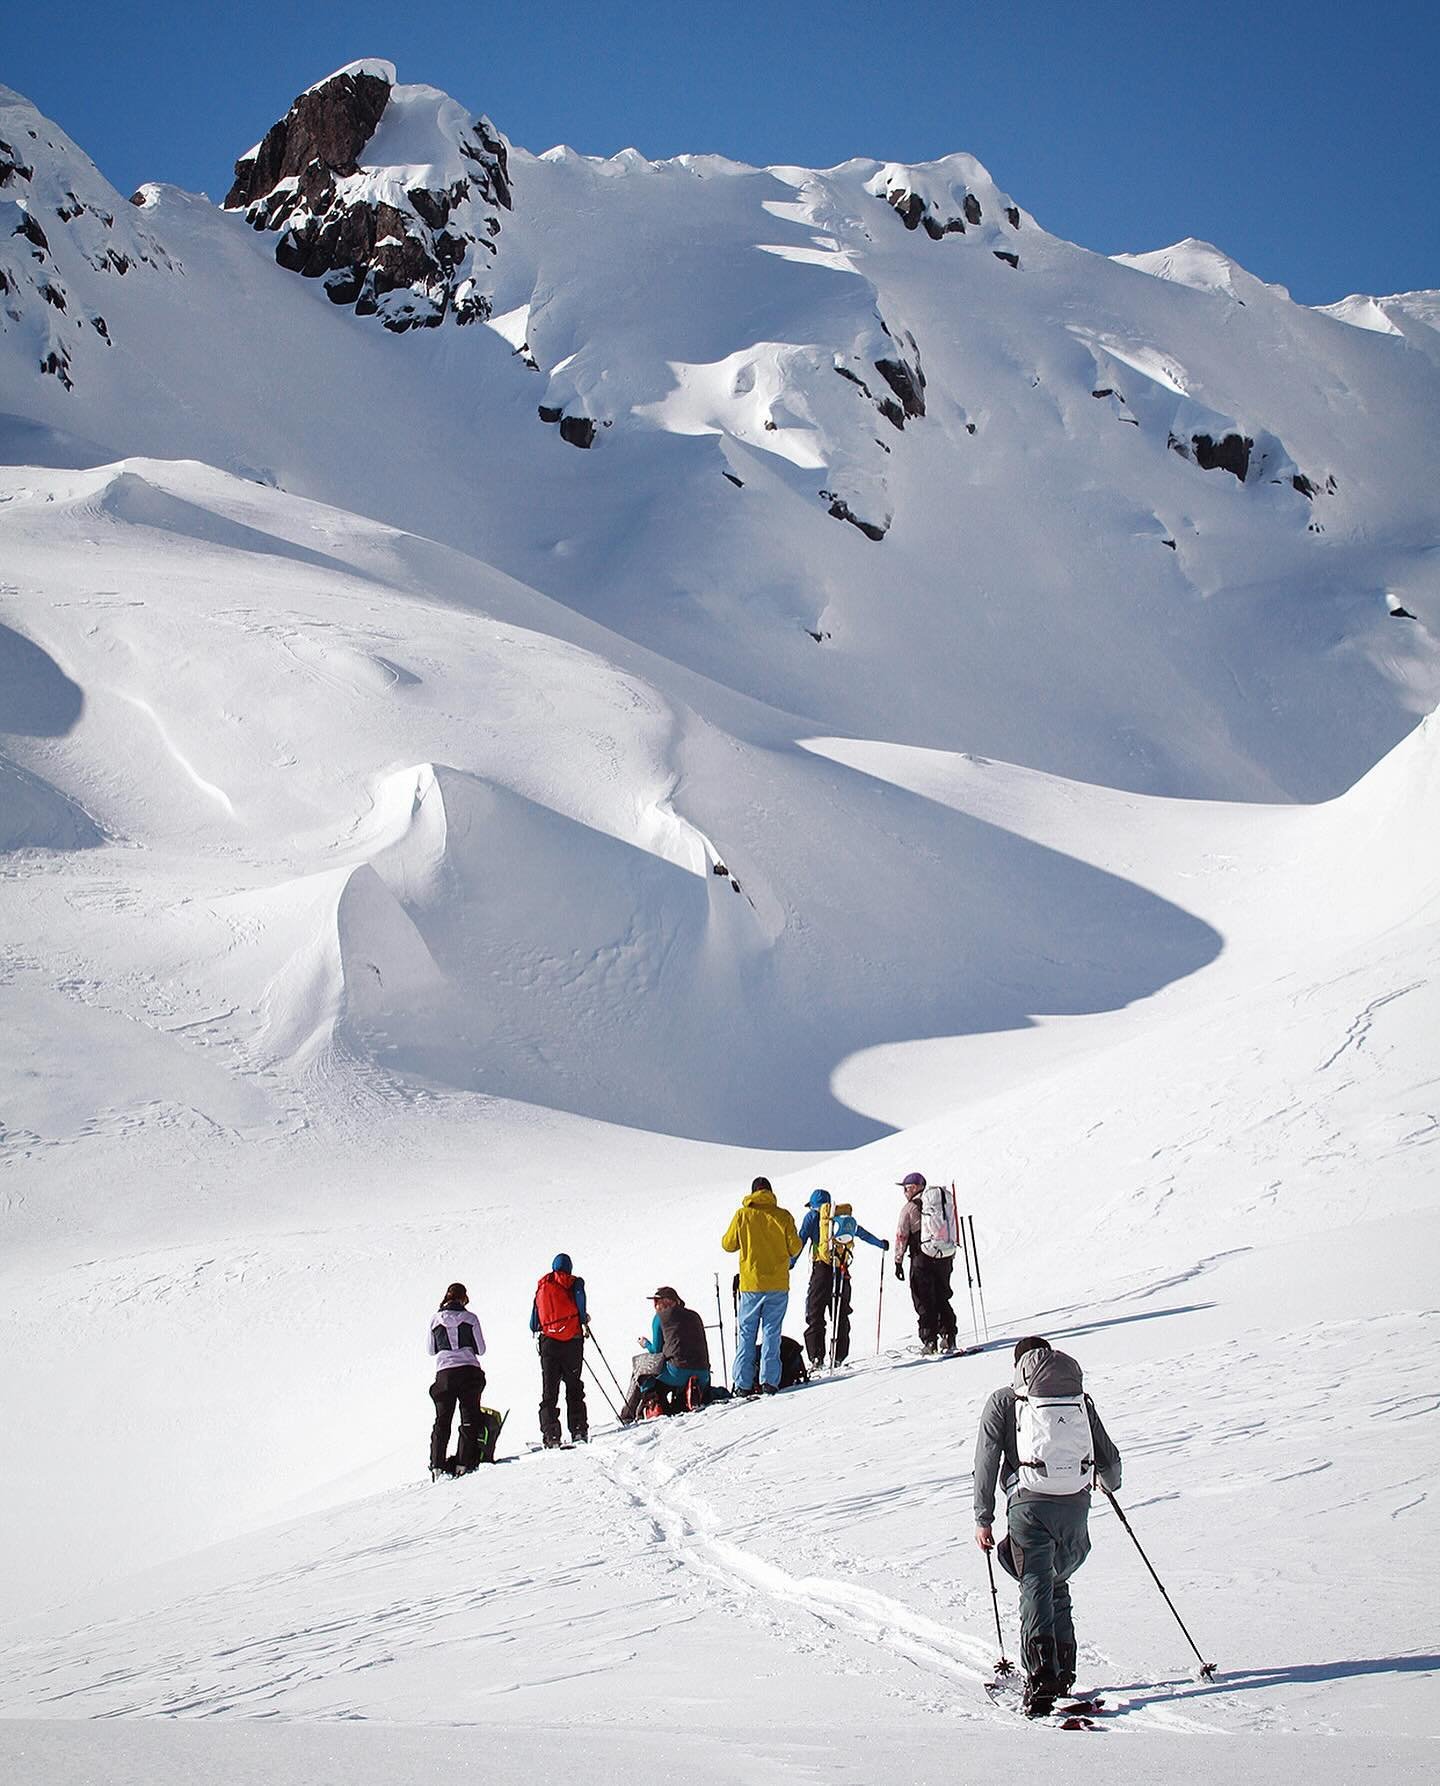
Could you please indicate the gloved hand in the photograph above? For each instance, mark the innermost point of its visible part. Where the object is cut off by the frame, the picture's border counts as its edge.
(886, 1245)
(900, 1270)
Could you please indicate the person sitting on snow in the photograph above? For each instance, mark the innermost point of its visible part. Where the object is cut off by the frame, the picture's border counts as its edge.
(675, 1356)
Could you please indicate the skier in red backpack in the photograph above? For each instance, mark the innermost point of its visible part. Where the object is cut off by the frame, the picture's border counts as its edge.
(557, 1317)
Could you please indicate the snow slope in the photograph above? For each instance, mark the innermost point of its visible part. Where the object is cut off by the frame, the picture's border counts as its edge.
(424, 845)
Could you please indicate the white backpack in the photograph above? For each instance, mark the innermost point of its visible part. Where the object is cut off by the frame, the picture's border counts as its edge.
(1053, 1442)
(938, 1236)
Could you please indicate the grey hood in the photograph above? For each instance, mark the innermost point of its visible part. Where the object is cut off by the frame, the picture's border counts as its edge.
(1050, 1376)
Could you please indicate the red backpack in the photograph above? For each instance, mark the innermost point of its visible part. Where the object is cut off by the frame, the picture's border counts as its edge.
(557, 1308)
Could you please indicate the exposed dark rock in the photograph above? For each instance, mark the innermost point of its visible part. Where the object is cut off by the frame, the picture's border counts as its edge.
(52, 296)
(121, 262)
(101, 329)
(914, 211)
(11, 166)
(57, 364)
(1005, 255)
(908, 385)
(1330, 484)
(719, 868)
(329, 125)
(1401, 614)
(819, 638)
(854, 378)
(1012, 216)
(32, 232)
(1230, 453)
(910, 206)
(4, 281)
(1106, 391)
(969, 427)
(577, 430)
(410, 264)
(738, 482)
(1304, 486)
(842, 511)
(1173, 547)
(548, 413)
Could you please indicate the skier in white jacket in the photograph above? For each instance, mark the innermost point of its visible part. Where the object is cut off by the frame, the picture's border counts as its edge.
(457, 1346)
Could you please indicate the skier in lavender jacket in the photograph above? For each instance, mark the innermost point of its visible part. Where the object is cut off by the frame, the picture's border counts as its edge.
(457, 1345)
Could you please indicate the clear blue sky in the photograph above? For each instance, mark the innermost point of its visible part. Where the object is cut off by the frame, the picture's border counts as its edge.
(1303, 138)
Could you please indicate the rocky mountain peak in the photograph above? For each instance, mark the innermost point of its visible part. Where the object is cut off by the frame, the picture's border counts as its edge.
(66, 238)
(390, 195)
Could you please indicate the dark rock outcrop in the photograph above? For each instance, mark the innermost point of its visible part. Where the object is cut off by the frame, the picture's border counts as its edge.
(577, 430)
(842, 511)
(412, 257)
(908, 384)
(1230, 453)
(1005, 255)
(917, 212)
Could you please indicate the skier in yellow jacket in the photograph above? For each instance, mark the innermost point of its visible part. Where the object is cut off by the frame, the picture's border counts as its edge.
(764, 1235)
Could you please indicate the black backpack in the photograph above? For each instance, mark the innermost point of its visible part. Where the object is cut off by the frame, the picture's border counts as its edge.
(792, 1363)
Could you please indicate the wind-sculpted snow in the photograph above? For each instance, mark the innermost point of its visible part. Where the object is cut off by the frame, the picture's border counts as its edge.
(611, 884)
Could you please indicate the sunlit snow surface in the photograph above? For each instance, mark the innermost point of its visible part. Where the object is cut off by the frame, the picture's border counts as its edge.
(425, 846)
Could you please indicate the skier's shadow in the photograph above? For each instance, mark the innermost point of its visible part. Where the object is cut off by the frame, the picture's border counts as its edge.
(1299, 1674)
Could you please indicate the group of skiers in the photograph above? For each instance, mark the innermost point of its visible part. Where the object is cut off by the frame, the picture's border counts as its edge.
(1040, 1440)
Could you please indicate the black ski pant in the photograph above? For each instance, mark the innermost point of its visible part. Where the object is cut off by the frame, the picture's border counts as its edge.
(562, 1361)
(1049, 1540)
(461, 1386)
(824, 1297)
(930, 1292)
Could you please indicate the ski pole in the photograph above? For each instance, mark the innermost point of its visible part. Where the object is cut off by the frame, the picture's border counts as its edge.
(720, 1323)
(599, 1384)
(589, 1334)
(979, 1281)
(969, 1276)
(1004, 1665)
(1207, 1669)
(880, 1301)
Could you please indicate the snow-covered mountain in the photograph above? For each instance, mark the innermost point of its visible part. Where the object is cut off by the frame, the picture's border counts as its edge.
(533, 688)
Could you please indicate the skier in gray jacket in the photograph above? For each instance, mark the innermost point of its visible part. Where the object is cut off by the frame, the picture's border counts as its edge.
(1047, 1527)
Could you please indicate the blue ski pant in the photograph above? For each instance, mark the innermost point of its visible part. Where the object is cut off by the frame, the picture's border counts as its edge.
(761, 1311)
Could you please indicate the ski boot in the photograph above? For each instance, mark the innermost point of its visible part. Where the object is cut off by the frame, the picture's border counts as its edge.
(1042, 1679)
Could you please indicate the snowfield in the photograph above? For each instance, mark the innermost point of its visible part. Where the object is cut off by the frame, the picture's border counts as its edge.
(969, 707)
